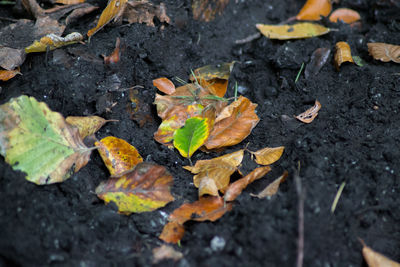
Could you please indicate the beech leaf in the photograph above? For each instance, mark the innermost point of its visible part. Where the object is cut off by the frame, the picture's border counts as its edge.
(164, 85)
(118, 155)
(6, 75)
(268, 155)
(144, 12)
(310, 114)
(346, 15)
(342, 54)
(145, 188)
(314, 9)
(272, 188)
(375, 259)
(39, 142)
(87, 125)
(384, 52)
(296, 31)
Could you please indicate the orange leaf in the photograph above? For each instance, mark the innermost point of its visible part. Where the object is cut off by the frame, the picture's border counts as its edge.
(87, 125)
(236, 188)
(268, 155)
(118, 155)
(113, 8)
(6, 75)
(164, 85)
(172, 232)
(314, 9)
(384, 52)
(309, 115)
(70, 2)
(272, 188)
(206, 10)
(234, 124)
(375, 259)
(346, 15)
(114, 57)
(145, 188)
(343, 54)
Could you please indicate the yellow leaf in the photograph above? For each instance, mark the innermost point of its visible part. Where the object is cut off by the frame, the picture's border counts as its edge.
(343, 54)
(268, 155)
(52, 41)
(295, 31)
(87, 125)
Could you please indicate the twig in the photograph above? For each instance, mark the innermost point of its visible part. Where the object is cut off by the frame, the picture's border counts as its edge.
(301, 196)
(248, 39)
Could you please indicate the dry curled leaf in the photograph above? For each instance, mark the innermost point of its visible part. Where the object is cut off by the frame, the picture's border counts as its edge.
(310, 114)
(295, 31)
(6, 75)
(165, 252)
(314, 9)
(164, 85)
(375, 259)
(346, 15)
(272, 188)
(384, 52)
(268, 155)
(342, 54)
(206, 10)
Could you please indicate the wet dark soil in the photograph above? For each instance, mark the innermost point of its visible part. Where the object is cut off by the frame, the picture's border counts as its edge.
(355, 138)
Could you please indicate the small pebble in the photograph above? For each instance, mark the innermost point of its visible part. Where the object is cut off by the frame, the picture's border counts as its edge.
(217, 243)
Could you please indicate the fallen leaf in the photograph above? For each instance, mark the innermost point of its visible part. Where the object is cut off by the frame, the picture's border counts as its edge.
(69, 2)
(77, 13)
(165, 252)
(296, 31)
(6, 75)
(11, 58)
(375, 259)
(317, 61)
(236, 188)
(164, 85)
(145, 188)
(343, 54)
(272, 188)
(144, 12)
(314, 9)
(310, 114)
(87, 125)
(113, 8)
(384, 52)
(46, 26)
(191, 136)
(206, 10)
(39, 142)
(234, 159)
(208, 208)
(268, 155)
(231, 130)
(52, 41)
(346, 15)
(114, 57)
(118, 155)
(214, 77)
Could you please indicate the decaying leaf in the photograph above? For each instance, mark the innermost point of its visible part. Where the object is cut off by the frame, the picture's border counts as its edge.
(165, 252)
(317, 61)
(113, 8)
(114, 57)
(52, 41)
(118, 155)
(268, 155)
(69, 2)
(6, 75)
(11, 58)
(209, 208)
(234, 159)
(236, 188)
(87, 125)
(296, 31)
(144, 12)
(206, 10)
(384, 52)
(191, 136)
(164, 85)
(375, 259)
(310, 114)
(272, 188)
(346, 15)
(39, 142)
(314, 9)
(214, 77)
(342, 54)
(145, 188)
(79, 12)
(46, 26)
(231, 130)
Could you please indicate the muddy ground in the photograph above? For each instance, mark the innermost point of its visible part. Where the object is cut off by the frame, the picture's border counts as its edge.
(355, 138)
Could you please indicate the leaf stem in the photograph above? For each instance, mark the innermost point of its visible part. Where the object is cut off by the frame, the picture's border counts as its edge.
(298, 74)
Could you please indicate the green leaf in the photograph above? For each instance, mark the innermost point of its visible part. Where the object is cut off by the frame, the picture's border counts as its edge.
(191, 136)
(359, 62)
(39, 142)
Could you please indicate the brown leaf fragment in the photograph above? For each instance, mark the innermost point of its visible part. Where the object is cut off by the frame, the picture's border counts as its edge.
(79, 12)
(69, 2)
(11, 58)
(87, 125)
(346, 15)
(375, 259)
(114, 57)
(164, 85)
(310, 114)
(144, 12)
(343, 54)
(172, 232)
(384, 52)
(6, 75)
(47, 25)
(272, 188)
(165, 252)
(206, 10)
(234, 124)
(318, 60)
(268, 155)
(236, 188)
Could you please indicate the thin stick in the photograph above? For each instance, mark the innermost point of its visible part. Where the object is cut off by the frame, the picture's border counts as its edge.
(338, 194)
(236, 90)
(301, 196)
(248, 39)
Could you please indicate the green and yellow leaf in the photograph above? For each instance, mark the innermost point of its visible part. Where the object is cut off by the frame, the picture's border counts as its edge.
(296, 31)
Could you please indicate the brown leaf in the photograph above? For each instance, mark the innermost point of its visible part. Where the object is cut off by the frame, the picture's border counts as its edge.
(314, 9)
(11, 58)
(236, 188)
(144, 12)
(268, 155)
(310, 114)
(165, 252)
(206, 10)
(114, 57)
(6, 75)
(87, 125)
(145, 188)
(47, 25)
(209, 208)
(346, 15)
(375, 259)
(384, 52)
(33, 8)
(79, 12)
(343, 54)
(272, 188)
(317, 61)
(234, 159)
(164, 85)
(234, 124)
(69, 2)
